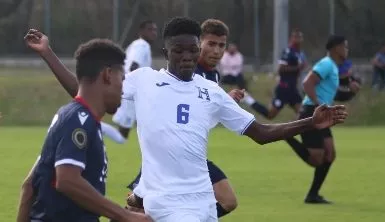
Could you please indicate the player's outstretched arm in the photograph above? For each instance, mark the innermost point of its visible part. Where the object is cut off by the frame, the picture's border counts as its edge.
(26, 197)
(323, 117)
(40, 44)
(70, 182)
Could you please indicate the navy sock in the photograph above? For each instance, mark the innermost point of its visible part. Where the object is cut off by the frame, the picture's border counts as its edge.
(320, 174)
(221, 211)
(299, 148)
(261, 109)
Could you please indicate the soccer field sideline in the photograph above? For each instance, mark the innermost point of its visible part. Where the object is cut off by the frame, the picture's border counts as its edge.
(270, 181)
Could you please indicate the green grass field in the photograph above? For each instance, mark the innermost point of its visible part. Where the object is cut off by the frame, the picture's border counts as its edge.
(270, 181)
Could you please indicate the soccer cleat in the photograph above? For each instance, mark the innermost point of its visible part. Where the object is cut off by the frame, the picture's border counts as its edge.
(316, 199)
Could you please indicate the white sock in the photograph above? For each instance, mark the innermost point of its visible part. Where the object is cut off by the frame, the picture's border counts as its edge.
(112, 133)
(247, 99)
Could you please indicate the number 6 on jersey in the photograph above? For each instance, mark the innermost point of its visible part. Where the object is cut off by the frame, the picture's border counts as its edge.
(182, 113)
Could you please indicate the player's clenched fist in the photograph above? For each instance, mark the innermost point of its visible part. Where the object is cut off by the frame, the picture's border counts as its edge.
(37, 41)
(237, 94)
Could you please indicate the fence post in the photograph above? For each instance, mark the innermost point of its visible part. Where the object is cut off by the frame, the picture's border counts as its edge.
(281, 32)
(257, 61)
(115, 20)
(47, 17)
(332, 14)
(186, 8)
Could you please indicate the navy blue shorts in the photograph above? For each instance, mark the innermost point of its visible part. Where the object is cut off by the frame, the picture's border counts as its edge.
(285, 95)
(313, 138)
(216, 175)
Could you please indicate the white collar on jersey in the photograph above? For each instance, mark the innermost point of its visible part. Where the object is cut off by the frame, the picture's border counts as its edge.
(175, 77)
(216, 76)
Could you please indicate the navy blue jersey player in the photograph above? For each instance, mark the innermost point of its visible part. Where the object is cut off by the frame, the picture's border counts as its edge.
(68, 181)
(74, 138)
(291, 64)
(349, 84)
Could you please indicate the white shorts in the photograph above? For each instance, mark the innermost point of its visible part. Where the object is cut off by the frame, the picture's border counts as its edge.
(181, 208)
(125, 116)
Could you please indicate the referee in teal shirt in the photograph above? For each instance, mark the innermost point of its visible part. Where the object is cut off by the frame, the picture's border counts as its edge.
(320, 86)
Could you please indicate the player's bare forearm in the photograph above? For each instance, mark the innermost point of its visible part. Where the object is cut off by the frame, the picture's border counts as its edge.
(66, 78)
(81, 192)
(26, 197)
(267, 133)
(26, 200)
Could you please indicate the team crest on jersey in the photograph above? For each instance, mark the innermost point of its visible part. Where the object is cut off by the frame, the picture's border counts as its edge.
(79, 138)
(203, 93)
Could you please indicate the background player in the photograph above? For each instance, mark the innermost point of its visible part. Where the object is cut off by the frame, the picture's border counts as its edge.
(68, 180)
(349, 84)
(231, 66)
(290, 68)
(138, 54)
(213, 41)
(175, 182)
(320, 85)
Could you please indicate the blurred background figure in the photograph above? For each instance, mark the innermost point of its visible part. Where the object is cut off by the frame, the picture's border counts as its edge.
(349, 84)
(378, 62)
(286, 92)
(231, 67)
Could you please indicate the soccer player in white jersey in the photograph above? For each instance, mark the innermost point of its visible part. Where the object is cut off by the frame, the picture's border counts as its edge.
(138, 55)
(176, 111)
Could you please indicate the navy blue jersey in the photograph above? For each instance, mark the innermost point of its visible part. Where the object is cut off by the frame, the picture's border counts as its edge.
(291, 57)
(343, 71)
(73, 138)
(212, 75)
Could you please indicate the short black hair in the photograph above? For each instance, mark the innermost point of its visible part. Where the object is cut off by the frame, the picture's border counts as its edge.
(334, 40)
(181, 26)
(214, 27)
(96, 54)
(144, 23)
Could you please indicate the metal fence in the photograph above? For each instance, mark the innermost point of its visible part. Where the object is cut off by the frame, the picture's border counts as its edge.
(259, 27)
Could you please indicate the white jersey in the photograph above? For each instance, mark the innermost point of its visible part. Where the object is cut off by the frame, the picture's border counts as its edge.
(174, 118)
(138, 51)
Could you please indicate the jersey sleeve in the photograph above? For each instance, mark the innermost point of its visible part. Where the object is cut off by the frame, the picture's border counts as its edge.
(74, 141)
(323, 68)
(232, 116)
(130, 85)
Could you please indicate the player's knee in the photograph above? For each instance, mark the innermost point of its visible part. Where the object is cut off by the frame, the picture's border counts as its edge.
(316, 160)
(330, 157)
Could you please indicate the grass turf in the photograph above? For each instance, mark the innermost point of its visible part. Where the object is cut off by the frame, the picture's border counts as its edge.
(270, 181)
